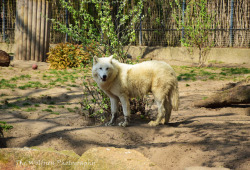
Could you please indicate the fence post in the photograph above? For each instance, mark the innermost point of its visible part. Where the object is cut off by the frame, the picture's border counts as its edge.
(29, 29)
(67, 21)
(33, 38)
(140, 33)
(25, 31)
(3, 20)
(183, 15)
(231, 24)
(47, 27)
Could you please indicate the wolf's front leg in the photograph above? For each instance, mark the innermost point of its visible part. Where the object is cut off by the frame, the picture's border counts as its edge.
(114, 109)
(126, 110)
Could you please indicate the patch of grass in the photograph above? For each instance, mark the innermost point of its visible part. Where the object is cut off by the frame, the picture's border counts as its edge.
(3, 94)
(37, 105)
(6, 84)
(32, 84)
(187, 76)
(70, 110)
(5, 126)
(47, 110)
(204, 98)
(232, 71)
(50, 106)
(13, 106)
(61, 106)
(26, 104)
(52, 102)
(30, 109)
(55, 113)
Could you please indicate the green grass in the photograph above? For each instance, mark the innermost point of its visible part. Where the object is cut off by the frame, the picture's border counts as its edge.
(50, 106)
(37, 105)
(70, 110)
(30, 109)
(47, 110)
(26, 104)
(5, 126)
(186, 73)
(55, 113)
(32, 84)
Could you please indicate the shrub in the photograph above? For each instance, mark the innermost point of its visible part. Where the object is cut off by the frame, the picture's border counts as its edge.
(67, 55)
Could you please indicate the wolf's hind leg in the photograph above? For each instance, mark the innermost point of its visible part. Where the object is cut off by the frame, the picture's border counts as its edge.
(168, 107)
(161, 114)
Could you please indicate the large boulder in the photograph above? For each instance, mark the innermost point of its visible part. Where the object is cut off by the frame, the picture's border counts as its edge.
(111, 158)
(4, 58)
(36, 158)
(100, 158)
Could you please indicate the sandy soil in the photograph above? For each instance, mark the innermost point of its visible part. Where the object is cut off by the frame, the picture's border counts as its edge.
(195, 137)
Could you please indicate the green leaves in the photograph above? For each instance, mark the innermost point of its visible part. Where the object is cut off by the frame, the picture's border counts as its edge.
(196, 23)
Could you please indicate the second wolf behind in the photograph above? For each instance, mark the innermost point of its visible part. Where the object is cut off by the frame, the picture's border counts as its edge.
(122, 81)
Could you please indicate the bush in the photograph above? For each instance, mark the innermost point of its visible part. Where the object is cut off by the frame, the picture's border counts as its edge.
(67, 55)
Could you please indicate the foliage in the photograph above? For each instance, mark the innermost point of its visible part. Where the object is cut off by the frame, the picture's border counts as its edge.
(5, 126)
(196, 24)
(112, 23)
(95, 101)
(67, 55)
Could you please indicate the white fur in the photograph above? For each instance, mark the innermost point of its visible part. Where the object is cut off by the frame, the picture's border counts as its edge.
(124, 81)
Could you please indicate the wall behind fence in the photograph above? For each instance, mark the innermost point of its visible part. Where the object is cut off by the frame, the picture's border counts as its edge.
(158, 27)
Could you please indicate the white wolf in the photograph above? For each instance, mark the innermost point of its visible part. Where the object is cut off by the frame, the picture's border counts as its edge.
(122, 81)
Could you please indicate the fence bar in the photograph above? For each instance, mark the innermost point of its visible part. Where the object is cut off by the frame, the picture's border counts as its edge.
(38, 30)
(183, 15)
(140, 33)
(3, 20)
(67, 20)
(33, 38)
(42, 38)
(231, 24)
(47, 28)
(30, 10)
(25, 30)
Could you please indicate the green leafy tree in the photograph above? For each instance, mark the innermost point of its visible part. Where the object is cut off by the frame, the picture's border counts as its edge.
(196, 23)
(111, 25)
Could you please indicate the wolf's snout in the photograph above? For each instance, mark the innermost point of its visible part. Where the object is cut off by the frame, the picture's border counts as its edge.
(104, 77)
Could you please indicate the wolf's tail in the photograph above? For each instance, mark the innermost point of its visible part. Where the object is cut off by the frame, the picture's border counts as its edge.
(174, 97)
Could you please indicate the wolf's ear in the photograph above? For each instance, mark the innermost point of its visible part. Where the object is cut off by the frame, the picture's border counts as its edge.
(95, 60)
(110, 58)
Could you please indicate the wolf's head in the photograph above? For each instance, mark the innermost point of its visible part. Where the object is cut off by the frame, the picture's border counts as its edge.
(103, 69)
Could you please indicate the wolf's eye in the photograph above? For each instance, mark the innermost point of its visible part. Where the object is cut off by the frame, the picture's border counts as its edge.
(100, 68)
(107, 68)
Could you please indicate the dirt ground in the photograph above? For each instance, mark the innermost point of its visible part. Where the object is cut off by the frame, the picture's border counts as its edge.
(195, 136)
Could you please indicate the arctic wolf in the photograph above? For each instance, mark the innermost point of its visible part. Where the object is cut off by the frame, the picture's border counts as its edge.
(121, 81)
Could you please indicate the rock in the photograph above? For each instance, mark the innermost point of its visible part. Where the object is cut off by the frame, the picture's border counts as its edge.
(115, 158)
(4, 59)
(36, 158)
(34, 66)
(95, 158)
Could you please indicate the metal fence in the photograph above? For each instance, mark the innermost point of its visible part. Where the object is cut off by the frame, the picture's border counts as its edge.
(158, 27)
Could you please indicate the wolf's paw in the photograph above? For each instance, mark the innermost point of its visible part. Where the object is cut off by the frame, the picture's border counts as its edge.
(153, 123)
(109, 124)
(123, 124)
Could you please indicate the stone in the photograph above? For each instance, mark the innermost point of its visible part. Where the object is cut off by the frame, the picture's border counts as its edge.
(111, 158)
(4, 59)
